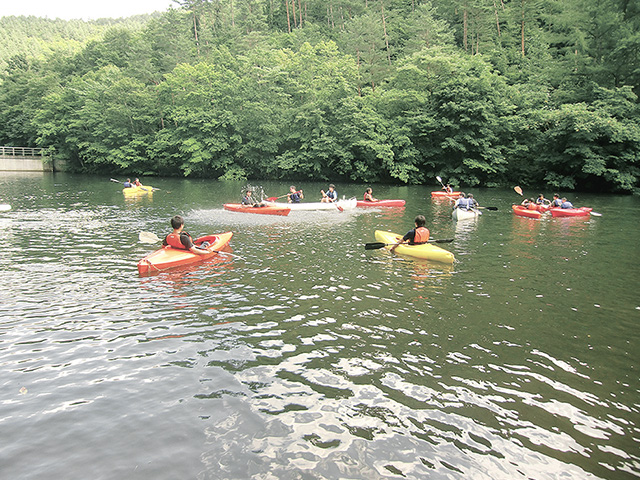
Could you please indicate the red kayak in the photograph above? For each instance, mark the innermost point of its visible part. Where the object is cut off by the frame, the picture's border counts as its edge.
(380, 203)
(262, 209)
(169, 257)
(571, 212)
(526, 212)
(442, 193)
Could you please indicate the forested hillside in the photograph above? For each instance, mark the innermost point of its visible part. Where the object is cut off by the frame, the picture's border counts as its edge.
(481, 92)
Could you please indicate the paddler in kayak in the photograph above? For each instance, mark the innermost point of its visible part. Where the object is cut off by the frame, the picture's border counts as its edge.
(542, 201)
(127, 184)
(368, 195)
(556, 202)
(294, 196)
(182, 240)
(566, 203)
(416, 236)
(248, 200)
(462, 202)
(447, 188)
(331, 195)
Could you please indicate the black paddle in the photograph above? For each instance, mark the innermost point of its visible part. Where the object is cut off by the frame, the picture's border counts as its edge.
(489, 208)
(376, 245)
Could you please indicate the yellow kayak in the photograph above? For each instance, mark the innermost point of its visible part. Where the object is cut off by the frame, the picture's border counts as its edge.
(142, 189)
(425, 251)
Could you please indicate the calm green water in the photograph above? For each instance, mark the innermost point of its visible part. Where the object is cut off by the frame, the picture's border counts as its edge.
(310, 357)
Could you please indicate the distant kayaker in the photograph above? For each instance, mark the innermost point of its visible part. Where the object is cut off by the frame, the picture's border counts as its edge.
(448, 189)
(556, 202)
(566, 203)
(473, 203)
(128, 183)
(330, 196)
(294, 196)
(541, 200)
(416, 236)
(368, 195)
(181, 239)
(137, 183)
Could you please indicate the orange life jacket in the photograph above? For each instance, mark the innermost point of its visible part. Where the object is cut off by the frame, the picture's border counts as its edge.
(173, 240)
(421, 236)
(532, 206)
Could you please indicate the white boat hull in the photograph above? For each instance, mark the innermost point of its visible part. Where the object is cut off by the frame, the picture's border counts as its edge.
(340, 204)
(460, 214)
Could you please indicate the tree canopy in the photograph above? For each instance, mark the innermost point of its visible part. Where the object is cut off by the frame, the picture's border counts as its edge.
(481, 92)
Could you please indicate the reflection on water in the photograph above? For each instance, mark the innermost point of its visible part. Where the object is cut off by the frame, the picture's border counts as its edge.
(309, 357)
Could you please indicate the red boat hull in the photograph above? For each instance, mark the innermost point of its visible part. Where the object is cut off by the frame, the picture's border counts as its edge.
(381, 203)
(442, 193)
(525, 212)
(263, 210)
(571, 212)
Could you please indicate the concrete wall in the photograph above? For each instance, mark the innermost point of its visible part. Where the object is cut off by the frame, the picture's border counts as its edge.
(25, 164)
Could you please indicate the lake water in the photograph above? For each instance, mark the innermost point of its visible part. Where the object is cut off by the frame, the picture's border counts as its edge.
(309, 357)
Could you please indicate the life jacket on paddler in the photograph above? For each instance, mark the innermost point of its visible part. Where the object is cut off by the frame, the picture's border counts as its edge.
(173, 240)
(421, 236)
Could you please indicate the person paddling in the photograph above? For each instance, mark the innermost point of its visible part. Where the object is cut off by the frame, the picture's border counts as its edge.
(294, 196)
(368, 195)
(416, 236)
(182, 240)
(330, 196)
(128, 184)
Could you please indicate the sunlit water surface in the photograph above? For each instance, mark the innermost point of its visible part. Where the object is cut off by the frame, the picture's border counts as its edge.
(304, 356)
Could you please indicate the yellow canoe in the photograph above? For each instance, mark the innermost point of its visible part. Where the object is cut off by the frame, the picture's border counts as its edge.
(426, 251)
(137, 190)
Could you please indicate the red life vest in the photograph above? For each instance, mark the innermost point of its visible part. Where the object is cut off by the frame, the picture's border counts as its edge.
(173, 240)
(421, 236)
(532, 206)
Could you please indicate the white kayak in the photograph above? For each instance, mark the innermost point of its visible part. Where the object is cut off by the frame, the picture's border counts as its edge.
(5, 207)
(460, 214)
(340, 205)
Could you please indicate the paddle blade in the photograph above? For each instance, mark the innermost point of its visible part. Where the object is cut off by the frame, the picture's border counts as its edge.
(374, 245)
(518, 190)
(271, 199)
(340, 209)
(438, 178)
(442, 240)
(114, 180)
(494, 209)
(595, 214)
(148, 237)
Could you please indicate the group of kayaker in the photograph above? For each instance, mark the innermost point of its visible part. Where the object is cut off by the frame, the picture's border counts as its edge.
(466, 202)
(557, 202)
(130, 184)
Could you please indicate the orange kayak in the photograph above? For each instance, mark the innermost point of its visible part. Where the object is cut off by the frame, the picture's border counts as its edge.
(169, 257)
(526, 212)
(442, 193)
(264, 209)
(380, 203)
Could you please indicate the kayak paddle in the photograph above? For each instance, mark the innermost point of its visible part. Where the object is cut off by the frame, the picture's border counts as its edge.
(150, 237)
(489, 208)
(376, 245)
(518, 190)
(142, 187)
